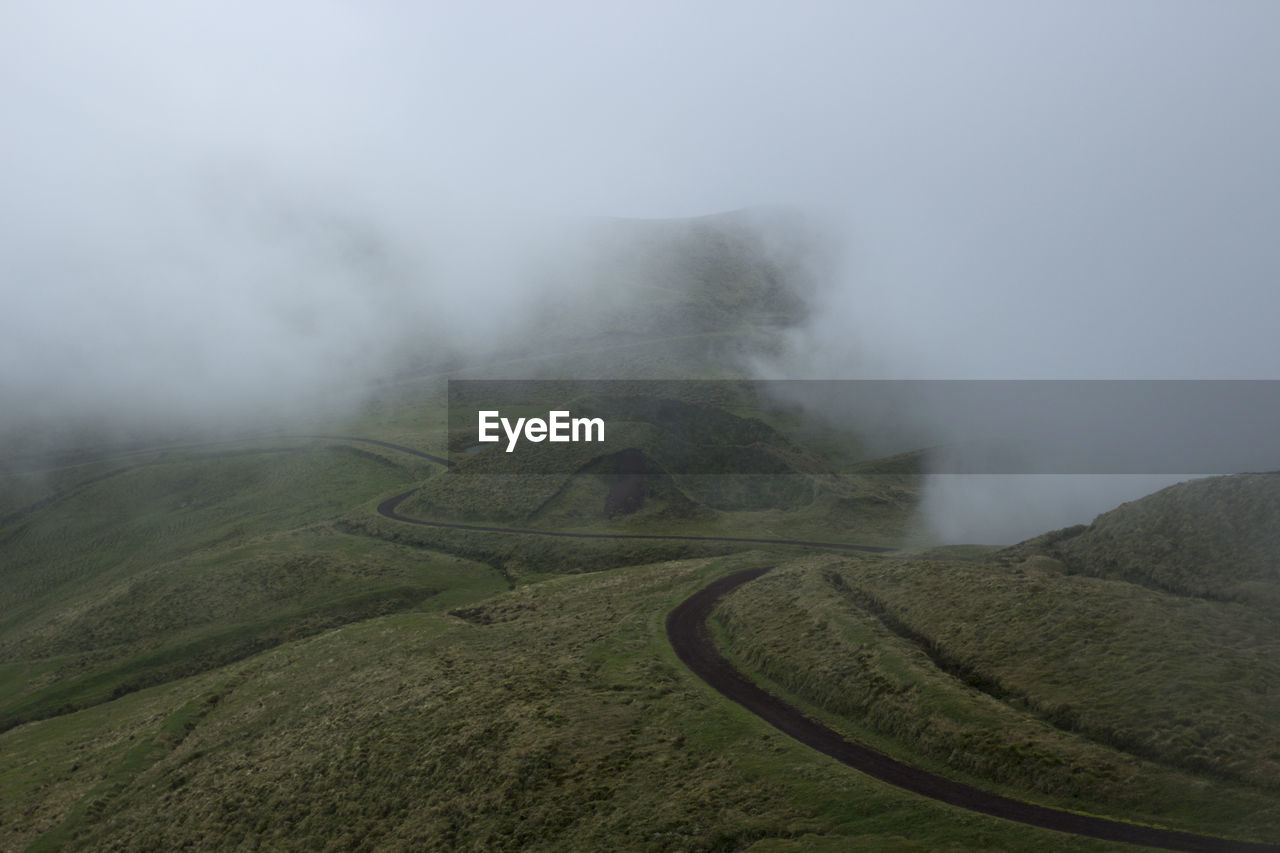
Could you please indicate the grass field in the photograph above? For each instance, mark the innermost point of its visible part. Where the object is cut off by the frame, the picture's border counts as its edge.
(554, 716)
(1037, 685)
(219, 643)
(168, 569)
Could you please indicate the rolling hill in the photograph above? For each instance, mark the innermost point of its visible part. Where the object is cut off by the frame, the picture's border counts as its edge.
(277, 640)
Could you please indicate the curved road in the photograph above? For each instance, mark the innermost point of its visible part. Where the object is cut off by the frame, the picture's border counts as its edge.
(389, 508)
(439, 460)
(691, 639)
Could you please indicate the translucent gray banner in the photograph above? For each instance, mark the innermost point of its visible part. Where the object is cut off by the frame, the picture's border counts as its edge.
(866, 426)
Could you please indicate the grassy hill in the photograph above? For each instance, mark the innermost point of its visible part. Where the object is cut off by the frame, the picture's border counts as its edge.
(551, 717)
(1215, 538)
(225, 645)
(162, 570)
(1057, 666)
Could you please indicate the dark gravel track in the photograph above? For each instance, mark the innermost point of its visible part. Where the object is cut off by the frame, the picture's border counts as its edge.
(439, 460)
(389, 509)
(687, 630)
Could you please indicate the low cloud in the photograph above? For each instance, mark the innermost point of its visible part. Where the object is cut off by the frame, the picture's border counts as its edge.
(225, 210)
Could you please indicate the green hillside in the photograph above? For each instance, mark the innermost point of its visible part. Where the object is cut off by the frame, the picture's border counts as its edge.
(167, 569)
(1215, 538)
(1083, 682)
(280, 640)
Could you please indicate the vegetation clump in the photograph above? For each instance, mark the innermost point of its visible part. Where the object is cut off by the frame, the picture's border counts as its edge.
(1214, 538)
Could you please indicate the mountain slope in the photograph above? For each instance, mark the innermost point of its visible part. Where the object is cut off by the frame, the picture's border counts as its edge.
(1045, 666)
(230, 646)
(1215, 538)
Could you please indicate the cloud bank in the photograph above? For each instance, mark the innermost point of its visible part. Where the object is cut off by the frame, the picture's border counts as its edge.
(236, 208)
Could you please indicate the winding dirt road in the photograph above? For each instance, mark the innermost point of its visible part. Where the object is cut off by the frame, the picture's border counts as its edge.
(389, 509)
(439, 460)
(691, 639)
(687, 630)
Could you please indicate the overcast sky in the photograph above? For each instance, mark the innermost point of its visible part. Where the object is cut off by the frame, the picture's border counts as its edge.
(1045, 189)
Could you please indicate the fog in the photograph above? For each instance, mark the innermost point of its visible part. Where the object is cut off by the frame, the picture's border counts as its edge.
(229, 211)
